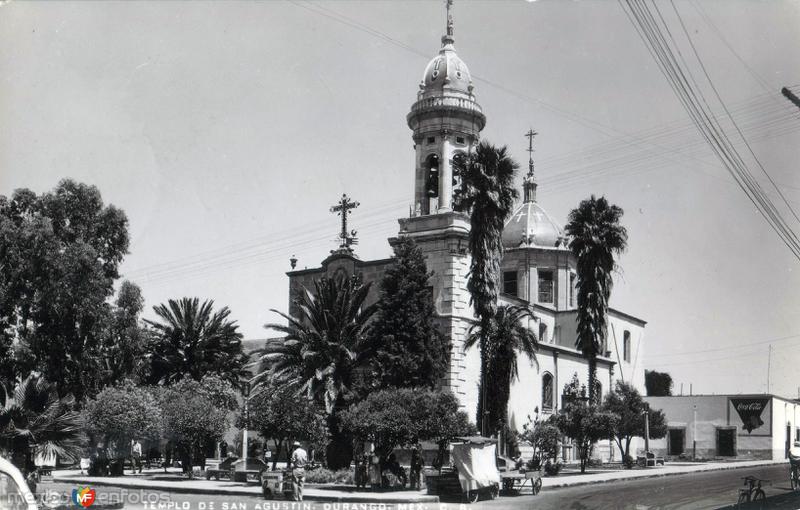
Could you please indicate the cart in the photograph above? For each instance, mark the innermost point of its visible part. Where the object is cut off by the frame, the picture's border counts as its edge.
(519, 480)
(473, 474)
(276, 484)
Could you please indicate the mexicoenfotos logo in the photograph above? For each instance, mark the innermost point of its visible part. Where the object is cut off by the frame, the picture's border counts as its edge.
(83, 496)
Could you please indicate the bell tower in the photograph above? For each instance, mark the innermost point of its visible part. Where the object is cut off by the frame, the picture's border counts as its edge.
(446, 122)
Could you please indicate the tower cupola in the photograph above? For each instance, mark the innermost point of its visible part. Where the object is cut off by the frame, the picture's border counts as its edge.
(446, 121)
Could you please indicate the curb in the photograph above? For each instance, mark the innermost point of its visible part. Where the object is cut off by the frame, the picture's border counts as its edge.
(655, 474)
(241, 492)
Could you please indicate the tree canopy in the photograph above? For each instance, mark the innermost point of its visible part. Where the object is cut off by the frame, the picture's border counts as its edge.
(407, 349)
(60, 254)
(657, 384)
(398, 417)
(626, 403)
(278, 413)
(192, 339)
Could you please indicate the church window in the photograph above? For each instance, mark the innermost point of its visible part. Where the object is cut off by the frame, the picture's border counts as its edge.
(431, 140)
(432, 177)
(547, 392)
(542, 332)
(626, 346)
(510, 282)
(572, 289)
(545, 286)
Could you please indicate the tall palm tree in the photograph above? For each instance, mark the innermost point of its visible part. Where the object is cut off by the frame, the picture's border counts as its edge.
(488, 193)
(596, 236)
(504, 340)
(324, 348)
(35, 421)
(191, 339)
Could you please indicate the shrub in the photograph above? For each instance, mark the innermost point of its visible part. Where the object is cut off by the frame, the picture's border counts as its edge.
(552, 468)
(323, 475)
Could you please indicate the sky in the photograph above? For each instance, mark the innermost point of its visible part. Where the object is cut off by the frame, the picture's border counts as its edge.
(226, 131)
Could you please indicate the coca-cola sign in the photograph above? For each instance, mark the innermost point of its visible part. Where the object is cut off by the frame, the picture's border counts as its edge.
(750, 411)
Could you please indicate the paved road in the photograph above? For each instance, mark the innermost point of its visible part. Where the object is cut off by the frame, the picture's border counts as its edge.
(710, 490)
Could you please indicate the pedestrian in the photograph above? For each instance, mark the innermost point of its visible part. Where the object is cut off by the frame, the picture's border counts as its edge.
(136, 450)
(417, 463)
(298, 462)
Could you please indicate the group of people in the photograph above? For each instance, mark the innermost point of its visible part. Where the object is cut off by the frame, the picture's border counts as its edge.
(371, 470)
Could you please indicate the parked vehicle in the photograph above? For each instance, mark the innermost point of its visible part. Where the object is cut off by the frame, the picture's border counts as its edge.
(14, 491)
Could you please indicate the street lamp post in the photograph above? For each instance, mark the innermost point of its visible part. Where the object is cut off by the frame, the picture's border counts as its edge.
(694, 432)
(647, 429)
(246, 419)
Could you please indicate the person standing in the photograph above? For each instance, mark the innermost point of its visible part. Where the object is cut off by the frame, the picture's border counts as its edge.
(136, 450)
(298, 462)
(416, 468)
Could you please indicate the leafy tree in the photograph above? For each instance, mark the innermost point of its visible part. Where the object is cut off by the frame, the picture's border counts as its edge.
(544, 436)
(657, 384)
(595, 237)
(324, 349)
(195, 414)
(34, 420)
(122, 413)
(503, 338)
(585, 425)
(627, 404)
(407, 348)
(60, 254)
(124, 344)
(399, 417)
(277, 413)
(488, 193)
(191, 339)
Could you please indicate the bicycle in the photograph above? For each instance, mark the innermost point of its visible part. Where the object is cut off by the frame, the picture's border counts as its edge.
(752, 490)
(794, 475)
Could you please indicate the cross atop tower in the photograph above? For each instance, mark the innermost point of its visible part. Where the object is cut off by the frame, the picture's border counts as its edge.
(529, 182)
(448, 6)
(342, 208)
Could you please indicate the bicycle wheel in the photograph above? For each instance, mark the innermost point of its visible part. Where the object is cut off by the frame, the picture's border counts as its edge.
(759, 495)
(537, 486)
(744, 497)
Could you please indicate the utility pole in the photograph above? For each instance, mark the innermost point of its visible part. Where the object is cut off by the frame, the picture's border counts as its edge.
(246, 420)
(647, 428)
(769, 363)
(790, 96)
(694, 432)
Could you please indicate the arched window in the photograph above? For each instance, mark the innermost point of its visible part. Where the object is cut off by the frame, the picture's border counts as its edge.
(459, 162)
(547, 392)
(432, 176)
(542, 332)
(626, 346)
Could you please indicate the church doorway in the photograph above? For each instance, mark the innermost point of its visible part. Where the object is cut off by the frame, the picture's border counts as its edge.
(677, 441)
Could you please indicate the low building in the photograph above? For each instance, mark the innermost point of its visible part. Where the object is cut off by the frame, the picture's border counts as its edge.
(756, 426)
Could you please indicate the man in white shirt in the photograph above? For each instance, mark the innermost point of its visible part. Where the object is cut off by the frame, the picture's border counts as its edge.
(298, 463)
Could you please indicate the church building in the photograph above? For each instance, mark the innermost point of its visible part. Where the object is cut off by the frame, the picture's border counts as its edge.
(538, 269)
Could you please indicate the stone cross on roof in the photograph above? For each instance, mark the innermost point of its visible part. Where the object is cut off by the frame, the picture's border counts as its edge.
(342, 208)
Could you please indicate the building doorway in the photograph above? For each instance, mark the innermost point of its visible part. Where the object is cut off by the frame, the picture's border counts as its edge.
(726, 442)
(677, 441)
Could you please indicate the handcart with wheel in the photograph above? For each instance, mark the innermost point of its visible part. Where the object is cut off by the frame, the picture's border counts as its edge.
(473, 474)
(517, 481)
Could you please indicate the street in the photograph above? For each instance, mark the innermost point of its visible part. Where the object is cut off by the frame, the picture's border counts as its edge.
(716, 489)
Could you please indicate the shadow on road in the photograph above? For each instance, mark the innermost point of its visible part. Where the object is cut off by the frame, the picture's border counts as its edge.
(783, 499)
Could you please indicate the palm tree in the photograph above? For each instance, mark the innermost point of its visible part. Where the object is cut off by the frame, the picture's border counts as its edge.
(324, 348)
(488, 193)
(504, 340)
(34, 421)
(595, 237)
(191, 339)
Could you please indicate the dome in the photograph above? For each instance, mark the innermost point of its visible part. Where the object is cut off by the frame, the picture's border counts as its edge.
(446, 72)
(531, 226)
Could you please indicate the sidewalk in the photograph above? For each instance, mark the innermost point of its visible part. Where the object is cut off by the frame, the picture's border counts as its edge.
(228, 488)
(350, 494)
(678, 468)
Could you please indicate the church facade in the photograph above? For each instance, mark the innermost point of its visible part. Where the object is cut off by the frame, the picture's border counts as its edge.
(538, 269)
